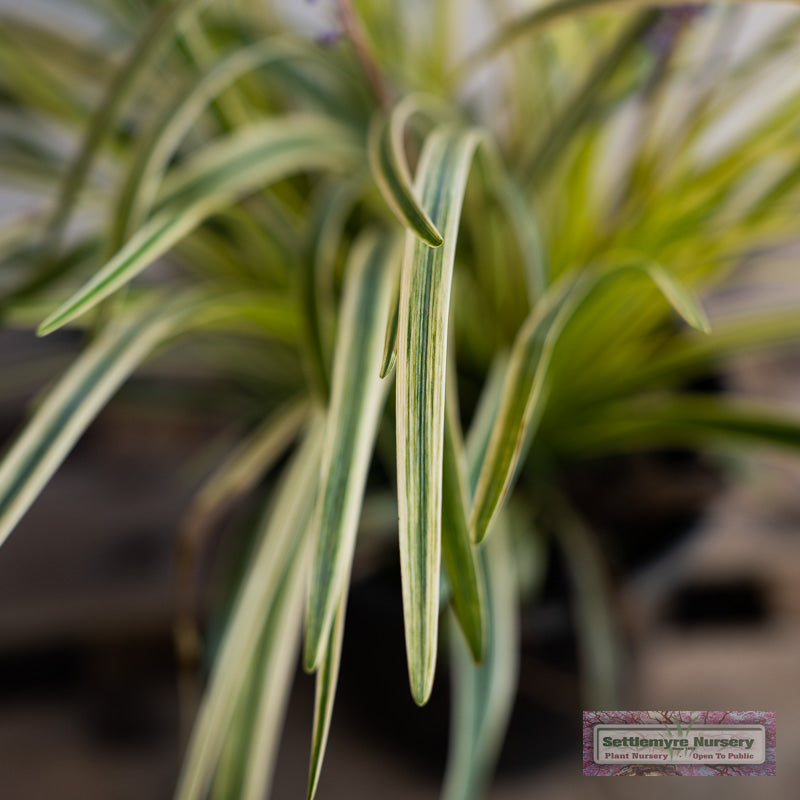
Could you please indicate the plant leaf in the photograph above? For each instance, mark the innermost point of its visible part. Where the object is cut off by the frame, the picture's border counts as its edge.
(284, 627)
(525, 390)
(234, 477)
(387, 160)
(522, 217)
(390, 340)
(458, 553)
(357, 397)
(541, 16)
(177, 119)
(235, 166)
(287, 530)
(72, 405)
(251, 744)
(120, 87)
(561, 131)
(316, 278)
(327, 676)
(598, 635)
(483, 695)
(692, 420)
(421, 354)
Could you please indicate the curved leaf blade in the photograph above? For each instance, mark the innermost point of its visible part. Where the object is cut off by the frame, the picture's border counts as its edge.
(524, 391)
(458, 553)
(164, 138)
(159, 28)
(421, 357)
(390, 340)
(357, 398)
(327, 676)
(71, 406)
(226, 170)
(387, 160)
(287, 530)
(251, 744)
(240, 471)
(282, 634)
(316, 278)
(483, 695)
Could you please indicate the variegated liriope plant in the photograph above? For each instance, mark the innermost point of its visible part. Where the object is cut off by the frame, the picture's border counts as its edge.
(344, 233)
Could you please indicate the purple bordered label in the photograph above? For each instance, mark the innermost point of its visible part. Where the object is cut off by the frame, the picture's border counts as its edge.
(680, 743)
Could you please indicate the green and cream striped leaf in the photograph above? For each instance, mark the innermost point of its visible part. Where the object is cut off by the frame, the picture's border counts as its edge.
(387, 159)
(283, 634)
(176, 121)
(120, 87)
(248, 462)
(327, 676)
(480, 431)
(357, 398)
(483, 694)
(213, 180)
(390, 339)
(316, 278)
(72, 404)
(286, 535)
(421, 356)
(248, 758)
(524, 392)
(237, 475)
(458, 553)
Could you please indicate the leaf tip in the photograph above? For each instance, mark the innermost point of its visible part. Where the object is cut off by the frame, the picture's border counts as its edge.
(702, 322)
(477, 646)
(421, 672)
(433, 237)
(388, 364)
(477, 529)
(311, 653)
(421, 691)
(46, 327)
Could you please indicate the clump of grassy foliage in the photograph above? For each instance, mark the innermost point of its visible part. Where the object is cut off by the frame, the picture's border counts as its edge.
(343, 236)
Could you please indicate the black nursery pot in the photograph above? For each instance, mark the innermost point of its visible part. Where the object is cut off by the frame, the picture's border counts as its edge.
(641, 506)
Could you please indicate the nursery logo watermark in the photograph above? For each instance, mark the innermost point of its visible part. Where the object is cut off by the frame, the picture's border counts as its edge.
(647, 744)
(679, 743)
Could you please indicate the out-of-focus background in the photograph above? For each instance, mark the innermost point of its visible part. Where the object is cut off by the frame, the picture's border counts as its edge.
(88, 687)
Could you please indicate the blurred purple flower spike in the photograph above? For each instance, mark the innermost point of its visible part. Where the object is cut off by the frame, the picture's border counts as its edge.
(662, 37)
(329, 38)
